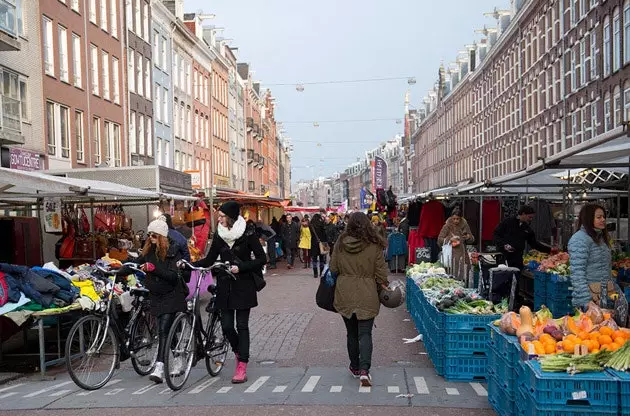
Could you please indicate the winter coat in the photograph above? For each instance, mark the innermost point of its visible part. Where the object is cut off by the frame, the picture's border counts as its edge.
(332, 232)
(403, 227)
(461, 260)
(290, 232)
(361, 270)
(590, 263)
(511, 231)
(179, 241)
(240, 293)
(305, 238)
(318, 234)
(166, 287)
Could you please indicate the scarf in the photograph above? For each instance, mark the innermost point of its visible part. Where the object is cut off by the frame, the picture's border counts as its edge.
(230, 235)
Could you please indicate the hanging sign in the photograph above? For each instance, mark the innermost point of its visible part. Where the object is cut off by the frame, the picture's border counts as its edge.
(195, 178)
(52, 215)
(379, 172)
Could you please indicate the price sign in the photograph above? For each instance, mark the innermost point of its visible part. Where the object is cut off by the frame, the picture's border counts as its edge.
(423, 254)
(52, 215)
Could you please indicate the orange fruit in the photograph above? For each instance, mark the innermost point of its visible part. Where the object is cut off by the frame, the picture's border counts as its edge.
(550, 348)
(588, 344)
(595, 351)
(544, 338)
(593, 335)
(571, 337)
(620, 341)
(595, 345)
(606, 330)
(620, 334)
(568, 346)
(613, 346)
(605, 339)
(583, 335)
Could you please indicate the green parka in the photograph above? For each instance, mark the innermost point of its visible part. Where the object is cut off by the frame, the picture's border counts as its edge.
(361, 270)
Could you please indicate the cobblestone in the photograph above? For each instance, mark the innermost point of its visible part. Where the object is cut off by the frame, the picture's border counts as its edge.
(277, 335)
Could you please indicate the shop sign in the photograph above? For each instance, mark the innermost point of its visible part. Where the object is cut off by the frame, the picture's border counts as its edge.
(25, 160)
(195, 178)
(52, 215)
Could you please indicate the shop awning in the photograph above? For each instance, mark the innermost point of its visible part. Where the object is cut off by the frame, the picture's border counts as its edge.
(246, 199)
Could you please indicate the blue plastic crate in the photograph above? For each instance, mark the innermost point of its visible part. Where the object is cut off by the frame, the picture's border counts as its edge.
(540, 283)
(505, 345)
(526, 405)
(469, 368)
(560, 389)
(505, 372)
(466, 342)
(623, 378)
(436, 355)
(454, 323)
(502, 402)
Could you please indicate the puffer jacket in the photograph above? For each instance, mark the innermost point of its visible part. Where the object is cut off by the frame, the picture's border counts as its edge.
(590, 263)
(361, 270)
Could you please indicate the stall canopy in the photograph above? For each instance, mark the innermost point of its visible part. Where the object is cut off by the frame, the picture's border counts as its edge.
(247, 199)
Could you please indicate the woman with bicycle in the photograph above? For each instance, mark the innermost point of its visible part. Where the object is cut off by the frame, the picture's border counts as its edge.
(167, 293)
(238, 244)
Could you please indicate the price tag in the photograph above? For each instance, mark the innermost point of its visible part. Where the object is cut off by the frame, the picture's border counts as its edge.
(579, 395)
(52, 215)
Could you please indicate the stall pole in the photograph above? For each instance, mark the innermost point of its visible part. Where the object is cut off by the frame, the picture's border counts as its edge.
(564, 216)
(618, 229)
(92, 228)
(41, 230)
(480, 223)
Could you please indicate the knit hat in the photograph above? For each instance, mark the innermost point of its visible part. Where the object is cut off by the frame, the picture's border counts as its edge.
(158, 227)
(231, 209)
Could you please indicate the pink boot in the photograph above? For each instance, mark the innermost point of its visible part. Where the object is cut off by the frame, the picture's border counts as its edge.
(240, 375)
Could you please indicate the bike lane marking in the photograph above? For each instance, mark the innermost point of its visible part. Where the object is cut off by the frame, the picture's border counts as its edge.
(46, 390)
(110, 383)
(203, 386)
(257, 384)
(310, 384)
(145, 389)
(479, 389)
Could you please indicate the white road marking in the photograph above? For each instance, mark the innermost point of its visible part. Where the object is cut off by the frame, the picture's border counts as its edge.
(145, 389)
(59, 393)
(257, 384)
(310, 384)
(364, 389)
(479, 389)
(224, 389)
(166, 391)
(4, 396)
(203, 386)
(113, 392)
(46, 390)
(11, 387)
(109, 384)
(393, 389)
(335, 389)
(452, 391)
(279, 389)
(421, 385)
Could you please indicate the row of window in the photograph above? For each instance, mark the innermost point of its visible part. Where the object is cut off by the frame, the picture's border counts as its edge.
(140, 134)
(138, 74)
(220, 90)
(160, 105)
(181, 73)
(183, 161)
(220, 125)
(102, 13)
(613, 59)
(200, 87)
(161, 51)
(138, 18)
(221, 160)
(182, 121)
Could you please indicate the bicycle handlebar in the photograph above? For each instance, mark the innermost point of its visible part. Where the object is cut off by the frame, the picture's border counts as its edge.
(113, 272)
(225, 266)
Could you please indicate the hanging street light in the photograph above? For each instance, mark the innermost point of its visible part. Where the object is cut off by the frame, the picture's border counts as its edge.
(299, 88)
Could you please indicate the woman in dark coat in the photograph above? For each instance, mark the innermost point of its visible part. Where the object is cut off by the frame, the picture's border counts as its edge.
(166, 289)
(290, 233)
(237, 243)
(318, 234)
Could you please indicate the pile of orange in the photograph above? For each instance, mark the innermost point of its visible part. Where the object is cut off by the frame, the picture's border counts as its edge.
(545, 344)
(605, 338)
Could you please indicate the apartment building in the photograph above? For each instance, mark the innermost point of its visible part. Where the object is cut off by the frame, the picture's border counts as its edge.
(21, 99)
(183, 42)
(220, 115)
(236, 121)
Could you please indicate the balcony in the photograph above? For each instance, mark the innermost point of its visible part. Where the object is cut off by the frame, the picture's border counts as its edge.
(256, 159)
(249, 124)
(250, 156)
(261, 162)
(9, 26)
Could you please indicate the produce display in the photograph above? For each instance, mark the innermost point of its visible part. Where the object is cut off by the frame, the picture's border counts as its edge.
(557, 264)
(426, 268)
(449, 295)
(440, 283)
(533, 259)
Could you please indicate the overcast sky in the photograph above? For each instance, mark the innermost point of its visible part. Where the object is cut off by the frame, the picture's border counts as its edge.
(291, 41)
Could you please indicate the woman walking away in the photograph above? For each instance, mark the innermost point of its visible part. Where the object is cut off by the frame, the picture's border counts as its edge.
(589, 256)
(318, 235)
(305, 242)
(361, 273)
(237, 243)
(290, 231)
(456, 232)
(166, 290)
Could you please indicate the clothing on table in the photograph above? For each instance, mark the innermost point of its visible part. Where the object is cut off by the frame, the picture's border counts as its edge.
(470, 212)
(431, 219)
(359, 342)
(238, 336)
(491, 218)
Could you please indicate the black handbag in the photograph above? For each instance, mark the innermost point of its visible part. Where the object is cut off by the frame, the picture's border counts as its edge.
(259, 280)
(325, 296)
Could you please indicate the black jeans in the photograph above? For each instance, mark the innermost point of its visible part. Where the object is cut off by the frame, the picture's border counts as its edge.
(164, 322)
(291, 253)
(271, 250)
(239, 337)
(321, 259)
(359, 341)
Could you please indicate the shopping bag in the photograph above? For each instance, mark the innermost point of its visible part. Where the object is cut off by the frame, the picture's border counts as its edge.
(325, 296)
(447, 255)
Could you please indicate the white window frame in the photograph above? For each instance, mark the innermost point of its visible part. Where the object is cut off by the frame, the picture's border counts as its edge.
(607, 47)
(105, 74)
(594, 121)
(165, 104)
(129, 13)
(158, 153)
(149, 133)
(103, 15)
(607, 113)
(141, 137)
(92, 11)
(137, 26)
(48, 44)
(133, 133)
(156, 49)
(616, 40)
(131, 70)
(158, 103)
(594, 53)
(94, 67)
(145, 23)
(626, 101)
(147, 78)
(74, 5)
(188, 125)
(626, 31)
(617, 107)
(139, 75)
(59, 147)
(116, 79)
(583, 61)
(64, 72)
(77, 69)
(79, 135)
(188, 79)
(163, 52)
(95, 128)
(113, 17)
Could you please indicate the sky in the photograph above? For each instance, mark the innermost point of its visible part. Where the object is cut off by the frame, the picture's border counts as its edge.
(297, 41)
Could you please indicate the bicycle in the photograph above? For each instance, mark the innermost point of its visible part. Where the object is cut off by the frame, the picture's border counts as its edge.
(189, 341)
(101, 335)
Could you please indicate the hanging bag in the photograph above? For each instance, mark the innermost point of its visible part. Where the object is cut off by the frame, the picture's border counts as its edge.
(324, 248)
(325, 296)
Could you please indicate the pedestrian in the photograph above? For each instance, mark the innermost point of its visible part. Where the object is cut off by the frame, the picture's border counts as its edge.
(305, 242)
(590, 255)
(403, 227)
(332, 232)
(319, 245)
(167, 295)
(380, 229)
(456, 232)
(513, 233)
(236, 242)
(290, 233)
(176, 237)
(268, 236)
(361, 273)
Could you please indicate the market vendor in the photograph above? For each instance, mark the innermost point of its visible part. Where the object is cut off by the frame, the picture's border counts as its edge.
(511, 235)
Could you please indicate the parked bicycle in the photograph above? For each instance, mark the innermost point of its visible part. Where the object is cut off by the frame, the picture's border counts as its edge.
(98, 342)
(189, 341)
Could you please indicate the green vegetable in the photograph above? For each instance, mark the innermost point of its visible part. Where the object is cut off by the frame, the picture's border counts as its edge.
(620, 359)
(573, 364)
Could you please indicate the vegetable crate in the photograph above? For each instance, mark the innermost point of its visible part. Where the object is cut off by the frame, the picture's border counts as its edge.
(466, 368)
(436, 355)
(593, 392)
(623, 377)
(526, 405)
(501, 401)
(559, 295)
(505, 345)
(505, 372)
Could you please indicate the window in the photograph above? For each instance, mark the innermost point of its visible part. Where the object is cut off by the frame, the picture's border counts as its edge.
(137, 27)
(96, 135)
(93, 11)
(47, 40)
(573, 70)
(104, 15)
(626, 101)
(165, 119)
(74, 4)
(149, 130)
(156, 49)
(607, 46)
(63, 54)
(177, 160)
(57, 131)
(158, 103)
(139, 73)
(141, 134)
(188, 125)
(188, 79)
(26, 114)
(129, 13)
(147, 79)
(626, 31)
(163, 53)
(174, 70)
(145, 22)
(76, 60)
(593, 55)
(131, 65)
(116, 79)
(133, 137)
(607, 113)
(617, 108)
(14, 101)
(94, 63)
(113, 16)
(112, 143)
(106, 83)
(78, 134)
(594, 118)
(582, 80)
(205, 90)
(616, 45)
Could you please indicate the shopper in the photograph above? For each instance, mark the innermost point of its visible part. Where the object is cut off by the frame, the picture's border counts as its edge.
(456, 232)
(332, 232)
(361, 272)
(268, 236)
(305, 242)
(589, 255)
(290, 232)
(318, 242)
(167, 293)
(237, 243)
(512, 234)
(177, 238)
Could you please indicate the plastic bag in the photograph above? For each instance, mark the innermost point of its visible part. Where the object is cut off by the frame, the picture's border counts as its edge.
(447, 255)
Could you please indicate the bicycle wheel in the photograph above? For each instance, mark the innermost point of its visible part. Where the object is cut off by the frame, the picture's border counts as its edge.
(181, 351)
(143, 344)
(92, 352)
(217, 347)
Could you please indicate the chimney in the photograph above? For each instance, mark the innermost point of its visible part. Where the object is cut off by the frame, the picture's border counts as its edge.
(176, 7)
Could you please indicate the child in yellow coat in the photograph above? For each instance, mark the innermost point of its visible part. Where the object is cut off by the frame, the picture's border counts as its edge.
(305, 243)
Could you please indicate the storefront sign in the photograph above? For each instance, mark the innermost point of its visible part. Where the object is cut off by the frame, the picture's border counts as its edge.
(52, 215)
(379, 172)
(25, 160)
(195, 178)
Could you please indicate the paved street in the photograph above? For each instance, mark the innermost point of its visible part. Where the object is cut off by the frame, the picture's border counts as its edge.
(298, 359)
